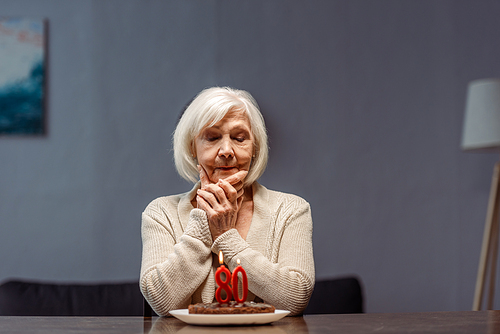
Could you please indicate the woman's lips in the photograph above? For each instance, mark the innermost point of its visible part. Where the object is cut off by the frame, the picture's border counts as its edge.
(226, 168)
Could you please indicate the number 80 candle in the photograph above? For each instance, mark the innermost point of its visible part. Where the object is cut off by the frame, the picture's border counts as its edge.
(223, 284)
(244, 282)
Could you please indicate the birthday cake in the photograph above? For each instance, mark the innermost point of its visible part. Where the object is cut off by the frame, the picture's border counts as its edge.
(232, 307)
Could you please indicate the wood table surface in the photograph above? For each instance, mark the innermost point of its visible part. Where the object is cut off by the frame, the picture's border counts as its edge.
(426, 322)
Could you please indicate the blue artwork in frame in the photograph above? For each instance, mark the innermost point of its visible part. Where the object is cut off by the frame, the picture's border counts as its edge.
(22, 76)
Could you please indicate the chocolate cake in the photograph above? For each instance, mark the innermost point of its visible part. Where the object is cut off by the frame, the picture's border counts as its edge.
(231, 308)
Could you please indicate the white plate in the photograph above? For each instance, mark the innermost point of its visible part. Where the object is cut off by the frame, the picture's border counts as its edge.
(228, 319)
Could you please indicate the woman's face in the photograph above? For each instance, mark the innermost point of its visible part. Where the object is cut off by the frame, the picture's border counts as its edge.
(225, 148)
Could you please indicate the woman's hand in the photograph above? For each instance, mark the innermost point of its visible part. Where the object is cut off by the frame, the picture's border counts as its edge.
(221, 201)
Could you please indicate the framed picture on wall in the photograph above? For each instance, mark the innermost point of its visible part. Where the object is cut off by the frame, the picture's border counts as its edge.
(22, 76)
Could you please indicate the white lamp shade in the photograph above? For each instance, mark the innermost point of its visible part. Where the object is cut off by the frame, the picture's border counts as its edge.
(482, 116)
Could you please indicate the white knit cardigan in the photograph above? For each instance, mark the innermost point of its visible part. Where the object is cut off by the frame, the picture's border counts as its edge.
(179, 258)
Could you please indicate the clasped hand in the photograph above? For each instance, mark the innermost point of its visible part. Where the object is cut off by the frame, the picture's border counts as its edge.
(221, 201)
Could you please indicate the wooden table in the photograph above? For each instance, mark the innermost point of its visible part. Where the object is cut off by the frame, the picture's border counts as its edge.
(429, 322)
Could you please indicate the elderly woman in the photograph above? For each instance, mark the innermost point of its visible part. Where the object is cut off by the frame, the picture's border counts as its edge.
(220, 144)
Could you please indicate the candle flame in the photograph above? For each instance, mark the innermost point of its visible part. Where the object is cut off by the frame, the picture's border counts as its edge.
(238, 261)
(221, 258)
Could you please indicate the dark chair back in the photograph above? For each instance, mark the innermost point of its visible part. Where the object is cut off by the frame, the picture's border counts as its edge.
(49, 299)
(147, 310)
(335, 296)
(25, 298)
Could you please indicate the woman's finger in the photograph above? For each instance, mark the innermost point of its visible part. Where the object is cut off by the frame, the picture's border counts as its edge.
(237, 177)
(218, 192)
(203, 176)
(240, 200)
(229, 191)
(208, 196)
(202, 204)
(238, 186)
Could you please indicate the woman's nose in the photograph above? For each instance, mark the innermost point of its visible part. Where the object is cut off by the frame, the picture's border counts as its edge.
(226, 149)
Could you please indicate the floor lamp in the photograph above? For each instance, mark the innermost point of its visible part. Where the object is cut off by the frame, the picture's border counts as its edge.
(481, 132)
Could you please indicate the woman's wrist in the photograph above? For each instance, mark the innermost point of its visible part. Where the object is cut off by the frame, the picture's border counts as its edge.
(230, 243)
(198, 226)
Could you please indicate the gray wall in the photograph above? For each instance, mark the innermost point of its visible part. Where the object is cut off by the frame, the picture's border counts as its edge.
(363, 100)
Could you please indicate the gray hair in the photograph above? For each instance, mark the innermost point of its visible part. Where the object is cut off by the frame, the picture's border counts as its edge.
(208, 108)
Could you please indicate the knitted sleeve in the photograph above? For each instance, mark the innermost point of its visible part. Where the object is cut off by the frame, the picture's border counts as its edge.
(171, 272)
(286, 278)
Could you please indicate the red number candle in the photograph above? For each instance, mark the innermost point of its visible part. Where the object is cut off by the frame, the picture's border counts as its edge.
(244, 282)
(223, 284)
